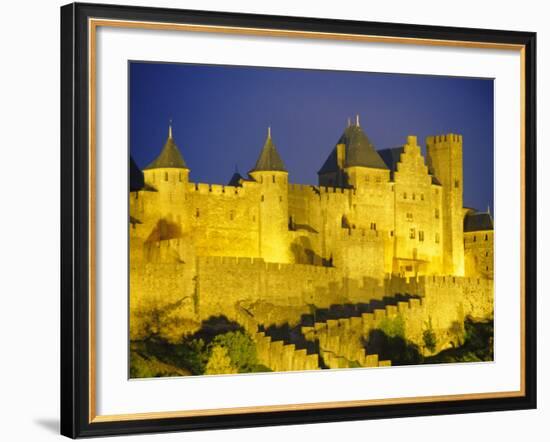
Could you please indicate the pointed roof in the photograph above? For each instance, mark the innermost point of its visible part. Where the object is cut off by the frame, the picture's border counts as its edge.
(235, 180)
(359, 151)
(136, 176)
(170, 156)
(269, 159)
(478, 221)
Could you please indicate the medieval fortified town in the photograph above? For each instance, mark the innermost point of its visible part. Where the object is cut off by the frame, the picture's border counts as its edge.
(310, 272)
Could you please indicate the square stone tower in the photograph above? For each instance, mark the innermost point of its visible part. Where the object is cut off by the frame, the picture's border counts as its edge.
(444, 155)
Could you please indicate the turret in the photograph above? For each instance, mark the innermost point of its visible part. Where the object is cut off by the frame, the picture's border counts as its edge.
(272, 177)
(169, 168)
(168, 174)
(353, 161)
(444, 155)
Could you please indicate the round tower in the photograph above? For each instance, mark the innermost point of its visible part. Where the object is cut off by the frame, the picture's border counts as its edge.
(272, 177)
(168, 175)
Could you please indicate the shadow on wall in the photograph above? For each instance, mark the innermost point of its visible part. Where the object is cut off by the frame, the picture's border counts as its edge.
(291, 335)
(163, 230)
(216, 325)
(302, 251)
(395, 348)
(343, 311)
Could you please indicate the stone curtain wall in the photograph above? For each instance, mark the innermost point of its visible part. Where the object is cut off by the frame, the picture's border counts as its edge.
(183, 288)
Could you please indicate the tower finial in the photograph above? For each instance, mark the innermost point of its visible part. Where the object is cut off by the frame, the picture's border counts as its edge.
(349, 121)
(357, 120)
(488, 209)
(170, 128)
(268, 131)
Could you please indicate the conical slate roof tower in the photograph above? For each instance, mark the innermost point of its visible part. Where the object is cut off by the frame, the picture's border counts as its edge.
(170, 156)
(269, 159)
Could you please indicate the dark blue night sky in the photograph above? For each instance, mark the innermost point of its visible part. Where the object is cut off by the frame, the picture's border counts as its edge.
(220, 116)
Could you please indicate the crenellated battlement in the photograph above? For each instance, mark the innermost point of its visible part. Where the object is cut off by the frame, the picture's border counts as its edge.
(215, 189)
(258, 264)
(454, 281)
(300, 188)
(420, 284)
(444, 138)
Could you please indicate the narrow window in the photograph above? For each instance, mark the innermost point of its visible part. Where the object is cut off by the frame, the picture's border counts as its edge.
(486, 237)
(474, 238)
(197, 213)
(412, 234)
(405, 195)
(437, 238)
(486, 253)
(231, 215)
(373, 226)
(422, 196)
(165, 176)
(414, 196)
(457, 184)
(391, 232)
(181, 178)
(262, 198)
(280, 199)
(273, 178)
(436, 213)
(420, 235)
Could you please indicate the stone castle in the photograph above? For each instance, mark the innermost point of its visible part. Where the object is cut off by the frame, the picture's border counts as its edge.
(383, 235)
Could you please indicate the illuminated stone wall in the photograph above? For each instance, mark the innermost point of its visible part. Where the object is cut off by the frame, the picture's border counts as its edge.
(199, 250)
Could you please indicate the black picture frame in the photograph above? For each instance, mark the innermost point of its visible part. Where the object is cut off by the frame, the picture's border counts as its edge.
(75, 221)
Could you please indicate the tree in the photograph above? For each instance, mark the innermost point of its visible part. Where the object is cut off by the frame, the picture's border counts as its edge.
(429, 337)
(240, 349)
(219, 362)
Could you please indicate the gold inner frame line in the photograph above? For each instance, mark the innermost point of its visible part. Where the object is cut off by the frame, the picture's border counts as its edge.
(93, 24)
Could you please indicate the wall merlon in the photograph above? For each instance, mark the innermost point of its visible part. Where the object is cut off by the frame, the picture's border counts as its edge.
(414, 303)
(402, 306)
(289, 348)
(344, 323)
(371, 360)
(320, 326)
(367, 318)
(379, 314)
(391, 311)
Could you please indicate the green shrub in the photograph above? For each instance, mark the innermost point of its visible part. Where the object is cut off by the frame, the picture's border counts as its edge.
(240, 349)
(429, 337)
(219, 362)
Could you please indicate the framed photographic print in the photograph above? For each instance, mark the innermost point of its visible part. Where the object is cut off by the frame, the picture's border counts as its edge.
(278, 220)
